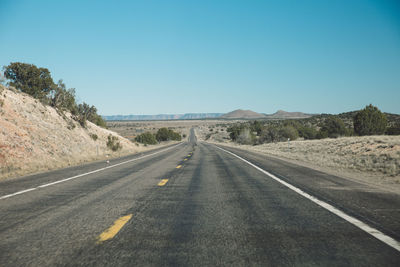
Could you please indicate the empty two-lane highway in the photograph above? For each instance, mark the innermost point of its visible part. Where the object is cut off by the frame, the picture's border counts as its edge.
(194, 204)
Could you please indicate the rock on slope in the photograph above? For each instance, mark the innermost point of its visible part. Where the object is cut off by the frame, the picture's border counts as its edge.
(35, 137)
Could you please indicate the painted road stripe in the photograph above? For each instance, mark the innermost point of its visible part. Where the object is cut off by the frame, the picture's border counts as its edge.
(179, 166)
(114, 229)
(84, 174)
(363, 226)
(162, 182)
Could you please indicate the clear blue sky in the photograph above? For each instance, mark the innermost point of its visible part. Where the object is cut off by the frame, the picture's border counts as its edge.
(151, 57)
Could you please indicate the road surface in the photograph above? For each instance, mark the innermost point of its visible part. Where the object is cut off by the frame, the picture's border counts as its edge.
(195, 204)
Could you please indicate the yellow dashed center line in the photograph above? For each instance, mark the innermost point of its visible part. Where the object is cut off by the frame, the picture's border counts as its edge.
(179, 166)
(114, 229)
(162, 182)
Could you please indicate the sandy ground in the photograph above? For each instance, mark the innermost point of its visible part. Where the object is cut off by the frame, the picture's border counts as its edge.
(373, 160)
(35, 138)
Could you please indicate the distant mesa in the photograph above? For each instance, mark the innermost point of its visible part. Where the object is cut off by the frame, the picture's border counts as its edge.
(236, 114)
(243, 114)
(281, 114)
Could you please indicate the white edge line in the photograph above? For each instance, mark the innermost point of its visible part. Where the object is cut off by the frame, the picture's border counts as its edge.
(84, 174)
(363, 226)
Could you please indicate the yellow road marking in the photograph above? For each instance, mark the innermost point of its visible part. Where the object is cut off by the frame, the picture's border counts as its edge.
(179, 166)
(162, 182)
(114, 229)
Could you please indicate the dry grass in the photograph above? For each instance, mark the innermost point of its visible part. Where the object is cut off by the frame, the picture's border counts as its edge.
(373, 159)
(35, 138)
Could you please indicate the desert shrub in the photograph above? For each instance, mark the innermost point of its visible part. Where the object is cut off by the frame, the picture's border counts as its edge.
(234, 131)
(94, 136)
(184, 135)
(164, 134)
(246, 137)
(334, 127)
(321, 134)
(113, 143)
(288, 132)
(370, 121)
(146, 138)
(308, 132)
(269, 135)
(256, 126)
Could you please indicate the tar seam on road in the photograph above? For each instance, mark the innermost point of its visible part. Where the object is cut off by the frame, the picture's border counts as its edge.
(84, 174)
(114, 229)
(363, 226)
(162, 182)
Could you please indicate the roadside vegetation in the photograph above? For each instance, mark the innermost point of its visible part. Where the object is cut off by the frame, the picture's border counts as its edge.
(368, 121)
(163, 134)
(38, 83)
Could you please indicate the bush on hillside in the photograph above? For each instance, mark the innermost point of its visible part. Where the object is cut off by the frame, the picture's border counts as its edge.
(370, 121)
(38, 83)
(63, 98)
(113, 143)
(30, 79)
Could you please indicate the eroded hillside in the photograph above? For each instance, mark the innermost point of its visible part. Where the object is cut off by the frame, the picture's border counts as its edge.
(35, 137)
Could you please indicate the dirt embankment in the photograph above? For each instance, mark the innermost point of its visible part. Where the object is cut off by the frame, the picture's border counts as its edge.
(35, 137)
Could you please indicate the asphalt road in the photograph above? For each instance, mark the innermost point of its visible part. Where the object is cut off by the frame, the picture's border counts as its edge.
(193, 205)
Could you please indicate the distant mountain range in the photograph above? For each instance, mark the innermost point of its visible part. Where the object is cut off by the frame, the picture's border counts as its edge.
(236, 114)
(160, 117)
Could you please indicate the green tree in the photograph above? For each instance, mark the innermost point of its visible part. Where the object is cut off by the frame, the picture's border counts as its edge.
(256, 126)
(62, 98)
(162, 134)
(334, 127)
(288, 132)
(146, 138)
(370, 121)
(308, 132)
(30, 79)
(269, 134)
(246, 137)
